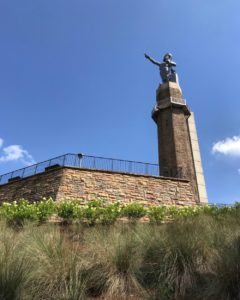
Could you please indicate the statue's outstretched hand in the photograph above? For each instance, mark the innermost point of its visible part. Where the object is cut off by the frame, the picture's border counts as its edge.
(147, 56)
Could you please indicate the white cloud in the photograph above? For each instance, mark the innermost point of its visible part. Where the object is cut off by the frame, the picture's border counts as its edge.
(15, 153)
(228, 147)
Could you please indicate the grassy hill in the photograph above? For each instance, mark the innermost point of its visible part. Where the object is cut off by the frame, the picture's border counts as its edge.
(180, 255)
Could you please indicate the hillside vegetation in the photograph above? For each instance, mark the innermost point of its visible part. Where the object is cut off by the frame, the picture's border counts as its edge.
(101, 212)
(188, 253)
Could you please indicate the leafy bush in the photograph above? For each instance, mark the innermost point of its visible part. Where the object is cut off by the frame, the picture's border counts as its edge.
(45, 209)
(236, 205)
(157, 213)
(69, 210)
(91, 214)
(133, 211)
(109, 214)
(189, 211)
(100, 212)
(16, 213)
(210, 210)
(174, 212)
(95, 203)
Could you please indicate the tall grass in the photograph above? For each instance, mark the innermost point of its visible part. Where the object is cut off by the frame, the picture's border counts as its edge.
(195, 257)
(14, 265)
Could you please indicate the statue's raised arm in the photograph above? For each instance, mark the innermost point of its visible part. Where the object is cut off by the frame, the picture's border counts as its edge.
(152, 60)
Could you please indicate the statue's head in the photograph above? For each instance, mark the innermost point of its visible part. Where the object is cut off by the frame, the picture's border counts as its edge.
(167, 57)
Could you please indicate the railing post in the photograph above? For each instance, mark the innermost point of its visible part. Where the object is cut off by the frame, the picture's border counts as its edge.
(64, 159)
(80, 157)
(35, 172)
(129, 167)
(112, 165)
(80, 162)
(147, 169)
(75, 161)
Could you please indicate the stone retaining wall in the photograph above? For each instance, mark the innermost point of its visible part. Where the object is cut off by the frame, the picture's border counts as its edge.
(32, 188)
(71, 183)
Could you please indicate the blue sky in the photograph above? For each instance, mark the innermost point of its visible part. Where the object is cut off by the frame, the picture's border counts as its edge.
(73, 78)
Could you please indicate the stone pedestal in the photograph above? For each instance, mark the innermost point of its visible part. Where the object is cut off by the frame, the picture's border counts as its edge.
(171, 115)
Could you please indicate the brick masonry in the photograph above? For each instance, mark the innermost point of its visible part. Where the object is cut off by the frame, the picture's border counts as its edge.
(32, 188)
(70, 183)
(174, 141)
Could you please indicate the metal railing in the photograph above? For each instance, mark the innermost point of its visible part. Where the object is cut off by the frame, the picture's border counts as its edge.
(83, 162)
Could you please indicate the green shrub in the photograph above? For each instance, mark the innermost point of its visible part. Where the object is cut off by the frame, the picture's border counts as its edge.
(109, 214)
(17, 213)
(67, 210)
(95, 203)
(212, 210)
(173, 212)
(236, 205)
(133, 211)
(100, 212)
(157, 214)
(91, 215)
(189, 211)
(45, 208)
(176, 213)
(97, 211)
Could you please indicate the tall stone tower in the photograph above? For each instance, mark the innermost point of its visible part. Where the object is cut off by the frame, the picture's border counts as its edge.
(177, 140)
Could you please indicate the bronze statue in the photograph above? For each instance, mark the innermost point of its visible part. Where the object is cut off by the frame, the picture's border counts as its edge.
(166, 68)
